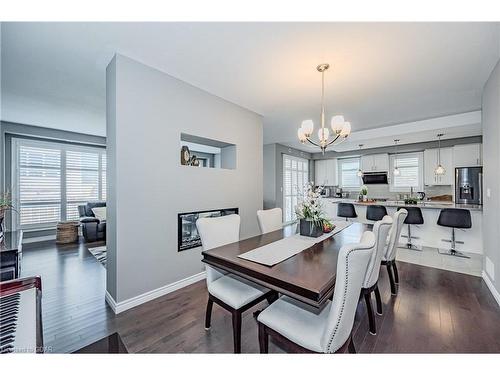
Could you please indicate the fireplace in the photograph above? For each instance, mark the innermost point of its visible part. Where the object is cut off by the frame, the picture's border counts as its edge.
(187, 234)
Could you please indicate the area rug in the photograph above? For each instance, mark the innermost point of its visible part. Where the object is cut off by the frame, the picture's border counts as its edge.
(100, 253)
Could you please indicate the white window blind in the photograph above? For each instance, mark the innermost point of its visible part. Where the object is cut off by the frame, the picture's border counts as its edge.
(51, 179)
(348, 173)
(295, 176)
(410, 171)
(39, 176)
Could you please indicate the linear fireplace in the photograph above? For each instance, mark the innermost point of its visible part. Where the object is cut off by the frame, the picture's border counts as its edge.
(187, 234)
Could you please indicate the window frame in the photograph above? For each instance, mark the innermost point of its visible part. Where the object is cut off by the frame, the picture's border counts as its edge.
(340, 162)
(420, 158)
(17, 142)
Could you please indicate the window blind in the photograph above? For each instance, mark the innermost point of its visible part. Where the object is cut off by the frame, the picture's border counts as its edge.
(410, 171)
(348, 170)
(295, 176)
(39, 176)
(51, 179)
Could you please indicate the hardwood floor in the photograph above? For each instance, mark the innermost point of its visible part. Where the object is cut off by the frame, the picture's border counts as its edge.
(435, 311)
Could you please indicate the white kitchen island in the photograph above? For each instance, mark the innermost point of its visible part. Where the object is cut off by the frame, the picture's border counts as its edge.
(430, 233)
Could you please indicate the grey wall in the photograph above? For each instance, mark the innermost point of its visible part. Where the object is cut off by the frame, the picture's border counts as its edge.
(491, 165)
(412, 147)
(147, 110)
(269, 176)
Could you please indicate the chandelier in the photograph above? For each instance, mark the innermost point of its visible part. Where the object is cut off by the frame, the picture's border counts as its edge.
(341, 128)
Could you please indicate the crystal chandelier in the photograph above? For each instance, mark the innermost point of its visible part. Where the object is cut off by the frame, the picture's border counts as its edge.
(341, 128)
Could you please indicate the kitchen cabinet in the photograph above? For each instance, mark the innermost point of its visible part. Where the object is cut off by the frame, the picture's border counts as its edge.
(468, 155)
(431, 162)
(325, 172)
(375, 163)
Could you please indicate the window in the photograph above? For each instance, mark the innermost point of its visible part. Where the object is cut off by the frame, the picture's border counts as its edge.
(348, 173)
(51, 179)
(295, 176)
(410, 171)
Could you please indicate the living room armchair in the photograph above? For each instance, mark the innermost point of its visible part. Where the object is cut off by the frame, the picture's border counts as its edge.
(93, 229)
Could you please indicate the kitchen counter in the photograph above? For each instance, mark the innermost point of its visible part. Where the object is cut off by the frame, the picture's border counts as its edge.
(423, 205)
(429, 234)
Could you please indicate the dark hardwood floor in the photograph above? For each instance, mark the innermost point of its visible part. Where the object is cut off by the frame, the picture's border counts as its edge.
(435, 311)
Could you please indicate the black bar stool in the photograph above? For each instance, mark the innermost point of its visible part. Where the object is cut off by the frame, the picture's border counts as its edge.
(346, 210)
(454, 218)
(375, 212)
(414, 217)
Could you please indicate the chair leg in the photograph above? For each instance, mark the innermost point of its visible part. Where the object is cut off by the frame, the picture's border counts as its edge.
(351, 348)
(208, 315)
(371, 316)
(391, 279)
(237, 331)
(396, 275)
(263, 339)
(378, 300)
(272, 297)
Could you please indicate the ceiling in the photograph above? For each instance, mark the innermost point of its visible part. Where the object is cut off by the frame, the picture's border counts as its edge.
(53, 74)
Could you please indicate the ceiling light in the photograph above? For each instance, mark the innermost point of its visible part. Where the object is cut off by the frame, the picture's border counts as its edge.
(341, 128)
(396, 171)
(439, 168)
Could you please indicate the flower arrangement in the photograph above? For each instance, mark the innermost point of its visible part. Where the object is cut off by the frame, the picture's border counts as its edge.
(5, 205)
(309, 211)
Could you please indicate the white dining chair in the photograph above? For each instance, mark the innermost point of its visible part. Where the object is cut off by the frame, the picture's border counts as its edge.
(231, 292)
(389, 258)
(381, 231)
(328, 330)
(270, 220)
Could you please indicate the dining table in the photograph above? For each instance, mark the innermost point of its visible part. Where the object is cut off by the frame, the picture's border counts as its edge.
(308, 276)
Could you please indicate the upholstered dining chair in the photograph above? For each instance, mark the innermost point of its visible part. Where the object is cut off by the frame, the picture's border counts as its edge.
(381, 231)
(305, 329)
(270, 220)
(231, 292)
(389, 258)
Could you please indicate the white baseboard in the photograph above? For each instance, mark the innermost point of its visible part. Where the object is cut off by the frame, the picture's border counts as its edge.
(491, 287)
(119, 307)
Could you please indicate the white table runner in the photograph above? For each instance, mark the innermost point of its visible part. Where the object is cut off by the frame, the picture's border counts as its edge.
(278, 251)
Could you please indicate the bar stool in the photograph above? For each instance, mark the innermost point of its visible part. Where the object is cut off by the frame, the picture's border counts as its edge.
(346, 210)
(414, 217)
(375, 212)
(454, 218)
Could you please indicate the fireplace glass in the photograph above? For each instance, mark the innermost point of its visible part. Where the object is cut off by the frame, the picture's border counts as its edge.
(188, 236)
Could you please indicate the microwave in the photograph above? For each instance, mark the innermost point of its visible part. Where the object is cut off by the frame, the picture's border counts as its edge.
(372, 178)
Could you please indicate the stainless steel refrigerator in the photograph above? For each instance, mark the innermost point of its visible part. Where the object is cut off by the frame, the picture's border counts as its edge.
(469, 185)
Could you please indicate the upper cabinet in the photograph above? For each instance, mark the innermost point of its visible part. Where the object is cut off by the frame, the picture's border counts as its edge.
(431, 162)
(467, 155)
(375, 163)
(325, 172)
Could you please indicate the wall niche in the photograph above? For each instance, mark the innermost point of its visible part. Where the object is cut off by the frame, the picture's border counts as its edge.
(202, 152)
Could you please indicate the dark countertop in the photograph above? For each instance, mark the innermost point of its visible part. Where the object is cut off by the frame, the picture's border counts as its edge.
(423, 205)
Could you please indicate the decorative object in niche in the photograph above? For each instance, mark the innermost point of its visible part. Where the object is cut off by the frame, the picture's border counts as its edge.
(187, 158)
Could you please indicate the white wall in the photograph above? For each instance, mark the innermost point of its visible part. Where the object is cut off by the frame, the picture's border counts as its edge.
(491, 172)
(147, 186)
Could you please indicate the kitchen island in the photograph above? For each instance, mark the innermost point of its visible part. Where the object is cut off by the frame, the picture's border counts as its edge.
(430, 233)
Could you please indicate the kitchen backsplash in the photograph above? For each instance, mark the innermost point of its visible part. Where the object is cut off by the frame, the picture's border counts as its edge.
(382, 191)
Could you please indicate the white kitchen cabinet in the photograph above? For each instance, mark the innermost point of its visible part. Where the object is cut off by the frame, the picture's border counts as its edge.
(467, 155)
(431, 162)
(375, 163)
(325, 172)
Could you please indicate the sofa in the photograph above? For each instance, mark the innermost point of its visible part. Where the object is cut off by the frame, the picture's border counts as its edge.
(92, 228)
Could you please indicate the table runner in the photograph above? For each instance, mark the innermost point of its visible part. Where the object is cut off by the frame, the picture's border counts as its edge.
(280, 250)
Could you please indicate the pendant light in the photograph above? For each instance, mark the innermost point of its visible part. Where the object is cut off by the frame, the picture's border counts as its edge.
(396, 171)
(360, 172)
(439, 169)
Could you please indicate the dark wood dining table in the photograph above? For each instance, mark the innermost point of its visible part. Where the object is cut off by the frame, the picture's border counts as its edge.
(308, 276)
